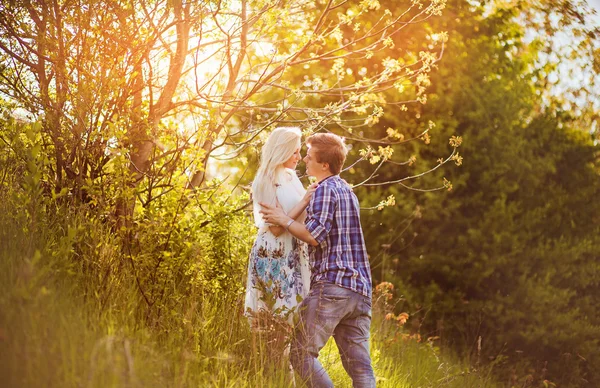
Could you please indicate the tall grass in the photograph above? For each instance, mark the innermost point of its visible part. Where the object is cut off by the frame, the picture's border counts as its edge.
(72, 315)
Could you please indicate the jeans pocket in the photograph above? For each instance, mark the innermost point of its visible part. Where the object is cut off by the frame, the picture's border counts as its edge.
(335, 298)
(335, 293)
(334, 303)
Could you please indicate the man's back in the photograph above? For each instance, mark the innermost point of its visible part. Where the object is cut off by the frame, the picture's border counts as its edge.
(333, 219)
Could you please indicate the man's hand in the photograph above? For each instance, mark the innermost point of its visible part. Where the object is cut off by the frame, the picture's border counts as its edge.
(274, 215)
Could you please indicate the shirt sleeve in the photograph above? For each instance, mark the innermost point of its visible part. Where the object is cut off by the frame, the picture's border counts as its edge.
(323, 205)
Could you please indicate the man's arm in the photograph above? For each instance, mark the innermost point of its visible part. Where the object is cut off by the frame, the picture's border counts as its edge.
(296, 211)
(299, 231)
(275, 215)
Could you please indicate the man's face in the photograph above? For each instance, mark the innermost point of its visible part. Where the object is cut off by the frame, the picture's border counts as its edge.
(312, 166)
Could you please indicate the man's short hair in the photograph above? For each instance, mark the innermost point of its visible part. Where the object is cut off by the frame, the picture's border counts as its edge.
(329, 149)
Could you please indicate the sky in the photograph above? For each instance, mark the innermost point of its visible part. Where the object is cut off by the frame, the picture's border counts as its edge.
(595, 4)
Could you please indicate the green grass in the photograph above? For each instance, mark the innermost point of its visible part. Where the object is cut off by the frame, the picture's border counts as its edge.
(68, 319)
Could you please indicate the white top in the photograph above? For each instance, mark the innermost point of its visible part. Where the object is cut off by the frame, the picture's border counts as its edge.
(288, 193)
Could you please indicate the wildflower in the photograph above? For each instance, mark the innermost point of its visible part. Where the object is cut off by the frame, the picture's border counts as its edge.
(384, 286)
(385, 289)
(402, 318)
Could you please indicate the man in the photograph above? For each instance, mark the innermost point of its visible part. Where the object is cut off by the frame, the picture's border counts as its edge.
(339, 302)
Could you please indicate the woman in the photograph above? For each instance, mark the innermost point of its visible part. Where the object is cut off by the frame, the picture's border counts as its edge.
(278, 272)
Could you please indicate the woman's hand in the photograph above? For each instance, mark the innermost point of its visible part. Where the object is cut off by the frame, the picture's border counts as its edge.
(310, 190)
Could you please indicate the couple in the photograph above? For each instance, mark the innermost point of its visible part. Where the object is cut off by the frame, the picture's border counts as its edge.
(326, 217)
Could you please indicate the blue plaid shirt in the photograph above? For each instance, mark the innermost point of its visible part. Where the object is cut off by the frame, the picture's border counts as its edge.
(333, 220)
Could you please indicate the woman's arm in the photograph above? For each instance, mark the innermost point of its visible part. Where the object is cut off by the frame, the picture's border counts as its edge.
(300, 207)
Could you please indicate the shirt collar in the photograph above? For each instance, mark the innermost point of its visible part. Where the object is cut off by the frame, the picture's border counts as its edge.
(330, 176)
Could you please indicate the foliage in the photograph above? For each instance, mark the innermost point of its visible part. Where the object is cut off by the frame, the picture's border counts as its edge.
(64, 324)
(126, 103)
(136, 96)
(507, 258)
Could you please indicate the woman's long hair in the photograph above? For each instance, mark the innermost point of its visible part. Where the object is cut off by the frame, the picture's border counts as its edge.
(279, 147)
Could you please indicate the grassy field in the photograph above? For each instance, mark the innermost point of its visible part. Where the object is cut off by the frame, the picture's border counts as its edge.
(56, 330)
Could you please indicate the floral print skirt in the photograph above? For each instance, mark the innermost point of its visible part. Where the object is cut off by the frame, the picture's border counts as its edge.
(278, 275)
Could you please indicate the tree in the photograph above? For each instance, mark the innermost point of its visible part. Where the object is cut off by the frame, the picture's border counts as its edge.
(136, 96)
(508, 255)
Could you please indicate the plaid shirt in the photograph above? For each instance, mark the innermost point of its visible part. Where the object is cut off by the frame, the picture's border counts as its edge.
(333, 220)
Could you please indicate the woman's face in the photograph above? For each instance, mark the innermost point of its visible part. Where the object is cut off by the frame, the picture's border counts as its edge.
(293, 160)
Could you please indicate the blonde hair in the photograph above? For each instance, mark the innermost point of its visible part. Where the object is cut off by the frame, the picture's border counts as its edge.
(279, 147)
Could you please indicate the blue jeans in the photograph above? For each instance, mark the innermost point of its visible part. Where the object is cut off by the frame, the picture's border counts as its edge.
(333, 310)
